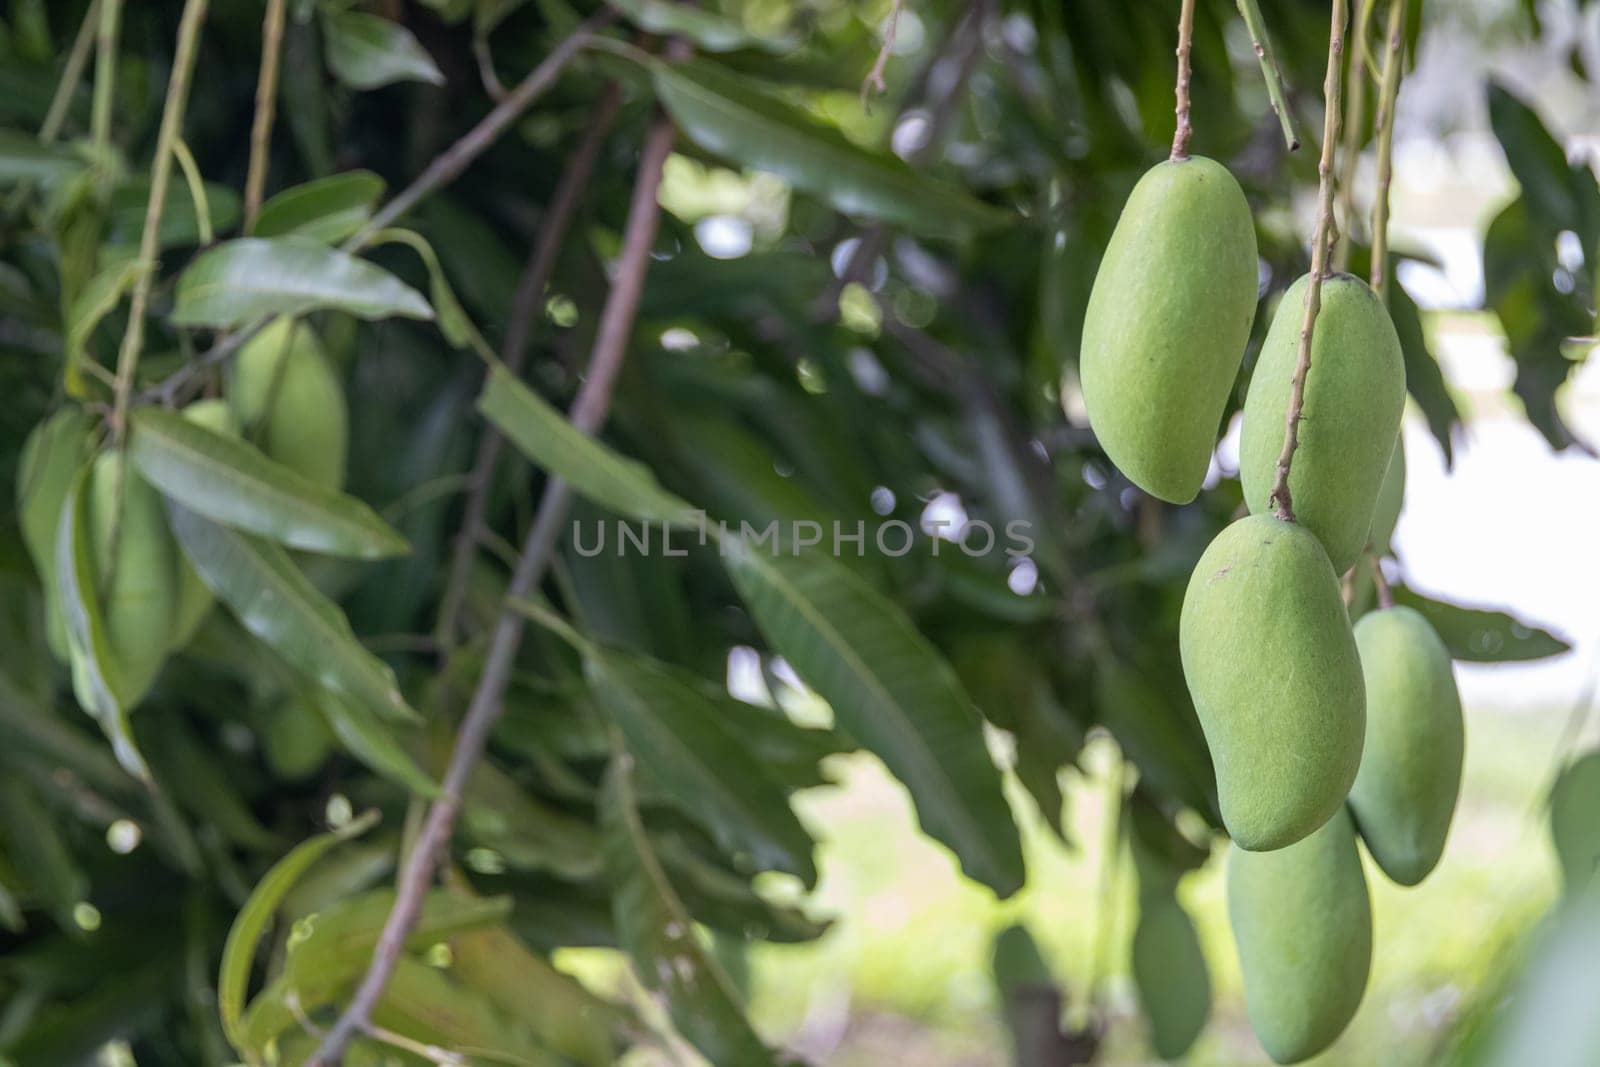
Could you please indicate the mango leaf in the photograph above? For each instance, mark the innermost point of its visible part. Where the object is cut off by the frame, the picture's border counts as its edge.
(180, 219)
(97, 299)
(711, 31)
(367, 52)
(274, 601)
(673, 731)
(324, 209)
(370, 740)
(95, 675)
(239, 950)
(1479, 635)
(34, 845)
(454, 323)
(659, 935)
(427, 1006)
(734, 117)
(240, 281)
(230, 481)
(891, 691)
(331, 948)
(541, 433)
(1536, 158)
(1424, 380)
(559, 1011)
(499, 814)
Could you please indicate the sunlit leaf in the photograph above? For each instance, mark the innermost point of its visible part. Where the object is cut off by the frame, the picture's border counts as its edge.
(99, 298)
(711, 31)
(240, 281)
(372, 741)
(250, 925)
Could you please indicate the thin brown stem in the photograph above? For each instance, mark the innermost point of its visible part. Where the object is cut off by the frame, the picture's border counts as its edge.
(874, 82)
(1380, 583)
(71, 74)
(588, 413)
(1277, 92)
(1180, 90)
(1282, 499)
(266, 110)
(525, 308)
(1393, 61)
(194, 13)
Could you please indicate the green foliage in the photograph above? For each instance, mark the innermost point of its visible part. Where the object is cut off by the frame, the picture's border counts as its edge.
(627, 801)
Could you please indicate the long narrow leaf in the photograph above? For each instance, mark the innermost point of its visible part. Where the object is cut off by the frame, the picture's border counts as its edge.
(273, 600)
(893, 692)
(541, 433)
(232, 482)
(659, 934)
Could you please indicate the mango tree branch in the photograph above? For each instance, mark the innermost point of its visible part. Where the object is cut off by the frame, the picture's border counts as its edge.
(266, 110)
(1277, 93)
(194, 13)
(588, 413)
(1281, 499)
(525, 308)
(105, 71)
(1393, 61)
(1180, 90)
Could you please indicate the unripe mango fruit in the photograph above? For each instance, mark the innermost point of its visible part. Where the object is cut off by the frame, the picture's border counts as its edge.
(1167, 322)
(52, 456)
(290, 403)
(1169, 967)
(194, 596)
(1303, 924)
(1391, 499)
(137, 577)
(1276, 681)
(1355, 394)
(1405, 793)
(1575, 822)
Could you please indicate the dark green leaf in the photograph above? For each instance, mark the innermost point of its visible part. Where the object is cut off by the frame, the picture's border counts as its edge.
(734, 117)
(24, 159)
(366, 52)
(371, 740)
(230, 481)
(324, 209)
(246, 279)
(893, 692)
(660, 936)
(674, 734)
(1480, 635)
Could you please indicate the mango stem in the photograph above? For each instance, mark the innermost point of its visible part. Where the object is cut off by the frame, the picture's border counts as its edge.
(1184, 129)
(1281, 499)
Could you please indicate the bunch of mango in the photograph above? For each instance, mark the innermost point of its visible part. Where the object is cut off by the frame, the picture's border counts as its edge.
(1321, 732)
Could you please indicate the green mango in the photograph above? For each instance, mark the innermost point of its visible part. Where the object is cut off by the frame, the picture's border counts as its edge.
(1391, 498)
(1276, 681)
(194, 596)
(51, 457)
(1575, 822)
(1302, 921)
(295, 740)
(289, 401)
(1355, 394)
(1405, 792)
(1169, 966)
(138, 585)
(1167, 323)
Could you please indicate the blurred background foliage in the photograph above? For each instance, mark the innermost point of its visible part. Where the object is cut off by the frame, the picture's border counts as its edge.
(828, 333)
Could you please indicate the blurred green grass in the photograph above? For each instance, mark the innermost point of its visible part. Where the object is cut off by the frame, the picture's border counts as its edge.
(903, 975)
